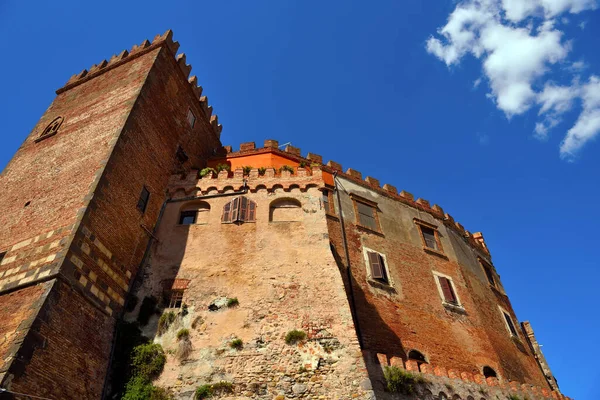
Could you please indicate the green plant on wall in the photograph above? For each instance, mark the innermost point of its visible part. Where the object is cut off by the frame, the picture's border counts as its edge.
(223, 167)
(401, 381)
(205, 171)
(262, 170)
(247, 169)
(209, 390)
(183, 334)
(165, 321)
(295, 336)
(286, 168)
(233, 302)
(237, 344)
(147, 363)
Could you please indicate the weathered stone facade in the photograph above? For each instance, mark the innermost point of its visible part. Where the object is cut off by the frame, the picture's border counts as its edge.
(292, 253)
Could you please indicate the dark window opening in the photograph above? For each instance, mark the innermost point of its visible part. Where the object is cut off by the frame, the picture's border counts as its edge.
(418, 357)
(27, 204)
(188, 217)
(489, 372)
(366, 216)
(429, 237)
(2, 257)
(490, 274)
(377, 266)
(325, 200)
(143, 201)
(240, 209)
(176, 299)
(181, 155)
(448, 290)
(510, 324)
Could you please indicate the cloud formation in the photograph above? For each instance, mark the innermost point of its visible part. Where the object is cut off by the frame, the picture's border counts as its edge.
(518, 44)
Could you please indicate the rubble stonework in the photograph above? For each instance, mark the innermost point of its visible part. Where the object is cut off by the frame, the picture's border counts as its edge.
(77, 248)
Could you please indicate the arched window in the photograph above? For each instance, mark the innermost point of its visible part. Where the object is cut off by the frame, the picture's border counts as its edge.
(240, 209)
(194, 213)
(488, 372)
(285, 210)
(418, 357)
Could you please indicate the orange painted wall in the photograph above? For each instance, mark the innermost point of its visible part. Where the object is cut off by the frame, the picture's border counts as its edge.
(255, 160)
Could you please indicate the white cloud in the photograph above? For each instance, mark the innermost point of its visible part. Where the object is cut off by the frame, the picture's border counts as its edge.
(477, 83)
(587, 126)
(518, 43)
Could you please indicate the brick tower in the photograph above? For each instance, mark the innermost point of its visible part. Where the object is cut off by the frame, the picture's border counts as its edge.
(79, 201)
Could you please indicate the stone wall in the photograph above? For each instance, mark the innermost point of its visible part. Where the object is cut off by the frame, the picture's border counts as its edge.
(284, 278)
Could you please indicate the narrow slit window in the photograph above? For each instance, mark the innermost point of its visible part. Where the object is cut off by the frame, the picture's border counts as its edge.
(2, 254)
(489, 273)
(510, 324)
(191, 118)
(143, 200)
(325, 199)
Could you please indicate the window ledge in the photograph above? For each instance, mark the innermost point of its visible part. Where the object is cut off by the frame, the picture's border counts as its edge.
(369, 230)
(457, 308)
(39, 139)
(435, 252)
(381, 285)
(203, 223)
(332, 216)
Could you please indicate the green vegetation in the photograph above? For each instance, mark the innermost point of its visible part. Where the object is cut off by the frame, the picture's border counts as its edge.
(147, 362)
(209, 390)
(223, 167)
(233, 302)
(401, 381)
(183, 334)
(147, 309)
(165, 321)
(302, 164)
(295, 336)
(237, 344)
(247, 169)
(206, 171)
(262, 170)
(184, 310)
(287, 168)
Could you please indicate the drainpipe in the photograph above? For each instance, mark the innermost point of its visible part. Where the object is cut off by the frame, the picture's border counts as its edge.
(348, 269)
(152, 236)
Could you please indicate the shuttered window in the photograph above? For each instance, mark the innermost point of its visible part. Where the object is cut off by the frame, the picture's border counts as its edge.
(325, 200)
(240, 209)
(448, 290)
(366, 216)
(377, 265)
(429, 237)
(143, 200)
(509, 322)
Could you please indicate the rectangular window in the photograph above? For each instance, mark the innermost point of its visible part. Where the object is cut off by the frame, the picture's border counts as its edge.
(509, 323)
(377, 266)
(143, 201)
(188, 217)
(191, 118)
(448, 290)
(325, 199)
(176, 299)
(489, 273)
(367, 216)
(2, 254)
(430, 236)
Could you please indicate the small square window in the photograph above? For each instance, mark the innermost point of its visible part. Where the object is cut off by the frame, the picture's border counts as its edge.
(143, 200)
(430, 236)
(191, 118)
(188, 217)
(176, 299)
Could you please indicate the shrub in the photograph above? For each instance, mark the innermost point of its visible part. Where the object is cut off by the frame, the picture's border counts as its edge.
(237, 344)
(223, 167)
(247, 169)
(233, 302)
(184, 310)
(206, 171)
(401, 381)
(222, 387)
(183, 334)
(138, 388)
(147, 308)
(286, 168)
(165, 321)
(148, 361)
(203, 392)
(184, 349)
(262, 170)
(295, 336)
(159, 393)
(302, 164)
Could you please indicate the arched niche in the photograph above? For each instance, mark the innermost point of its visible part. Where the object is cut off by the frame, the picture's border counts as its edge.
(285, 210)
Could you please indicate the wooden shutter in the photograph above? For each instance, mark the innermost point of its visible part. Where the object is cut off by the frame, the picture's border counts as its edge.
(429, 237)
(226, 213)
(235, 205)
(447, 289)
(243, 209)
(376, 265)
(251, 211)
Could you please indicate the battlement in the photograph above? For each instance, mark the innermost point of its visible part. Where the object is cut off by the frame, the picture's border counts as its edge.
(453, 382)
(331, 167)
(164, 40)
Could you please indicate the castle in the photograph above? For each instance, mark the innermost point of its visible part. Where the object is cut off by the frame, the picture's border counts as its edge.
(285, 276)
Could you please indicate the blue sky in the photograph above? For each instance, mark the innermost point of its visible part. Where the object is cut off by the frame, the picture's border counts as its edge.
(486, 108)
